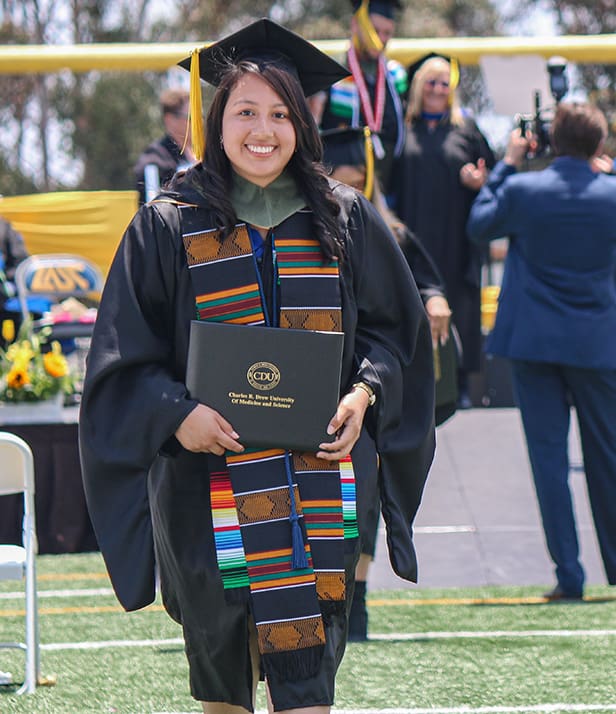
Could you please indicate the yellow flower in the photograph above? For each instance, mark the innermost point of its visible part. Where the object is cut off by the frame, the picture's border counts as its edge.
(27, 374)
(20, 353)
(8, 330)
(17, 378)
(55, 364)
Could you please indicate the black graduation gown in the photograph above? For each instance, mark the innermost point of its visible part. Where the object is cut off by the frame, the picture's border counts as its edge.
(434, 204)
(430, 284)
(140, 484)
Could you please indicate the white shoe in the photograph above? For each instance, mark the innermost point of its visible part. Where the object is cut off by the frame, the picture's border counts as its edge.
(6, 678)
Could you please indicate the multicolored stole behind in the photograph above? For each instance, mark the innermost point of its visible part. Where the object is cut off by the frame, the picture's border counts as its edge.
(280, 518)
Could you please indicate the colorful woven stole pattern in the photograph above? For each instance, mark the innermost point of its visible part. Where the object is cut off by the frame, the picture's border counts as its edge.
(349, 503)
(227, 536)
(289, 624)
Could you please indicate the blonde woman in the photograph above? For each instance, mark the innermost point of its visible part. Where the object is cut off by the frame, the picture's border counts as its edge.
(445, 162)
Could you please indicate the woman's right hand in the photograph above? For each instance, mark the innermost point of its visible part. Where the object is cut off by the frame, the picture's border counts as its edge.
(518, 147)
(205, 430)
(439, 314)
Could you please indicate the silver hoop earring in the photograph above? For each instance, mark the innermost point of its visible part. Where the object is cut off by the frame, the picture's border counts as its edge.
(221, 143)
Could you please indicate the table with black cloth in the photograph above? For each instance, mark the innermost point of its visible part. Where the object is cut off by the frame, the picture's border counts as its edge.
(62, 521)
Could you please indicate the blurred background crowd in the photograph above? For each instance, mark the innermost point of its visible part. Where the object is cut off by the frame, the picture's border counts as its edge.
(86, 131)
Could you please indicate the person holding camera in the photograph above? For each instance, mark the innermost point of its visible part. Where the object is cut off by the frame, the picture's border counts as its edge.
(556, 321)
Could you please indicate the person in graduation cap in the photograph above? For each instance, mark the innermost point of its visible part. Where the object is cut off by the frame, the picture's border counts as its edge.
(255, 549)
(374, 92)
(445, 162)
(348, 154)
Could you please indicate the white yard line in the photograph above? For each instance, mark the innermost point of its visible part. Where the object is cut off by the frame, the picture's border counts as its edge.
(558, 708)
(490, 634)
(445, 530)
(530, 709)
(104, 644)
(84, 592)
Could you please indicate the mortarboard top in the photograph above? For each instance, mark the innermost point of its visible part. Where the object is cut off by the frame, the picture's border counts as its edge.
(453, 63)
(265, 41)
(386, 8)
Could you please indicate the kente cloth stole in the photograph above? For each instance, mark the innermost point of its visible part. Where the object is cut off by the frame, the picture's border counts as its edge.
(251, 492)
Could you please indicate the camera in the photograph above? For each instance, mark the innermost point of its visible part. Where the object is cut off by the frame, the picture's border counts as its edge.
(539, 122)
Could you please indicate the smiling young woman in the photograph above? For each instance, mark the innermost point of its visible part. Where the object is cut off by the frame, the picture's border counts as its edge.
(255, 548)
(257, 133)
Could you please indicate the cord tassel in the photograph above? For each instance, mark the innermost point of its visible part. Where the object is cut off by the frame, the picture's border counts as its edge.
(370, 36)
(298, 557)
(454, 78)
(299, 561)
(197, 132)
(369, 151)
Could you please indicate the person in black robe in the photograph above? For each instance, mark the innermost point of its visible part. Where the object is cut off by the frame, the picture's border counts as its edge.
(12, 252)
(445, 162)
(172, 152)
(149, 450)
(348, 154)
(375, 92)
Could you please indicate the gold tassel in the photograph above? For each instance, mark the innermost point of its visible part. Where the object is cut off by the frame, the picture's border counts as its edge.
(454, 73)
(197, 132)
(454, 78)
(436, 357)
(370, 37)
(369, 148)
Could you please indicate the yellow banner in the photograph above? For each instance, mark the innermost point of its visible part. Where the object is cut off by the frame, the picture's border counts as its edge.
(86, 223)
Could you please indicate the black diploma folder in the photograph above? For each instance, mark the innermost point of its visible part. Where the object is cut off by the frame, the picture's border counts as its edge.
(278, 387)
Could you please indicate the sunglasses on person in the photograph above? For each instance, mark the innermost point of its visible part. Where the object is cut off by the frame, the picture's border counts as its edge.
(437, 82)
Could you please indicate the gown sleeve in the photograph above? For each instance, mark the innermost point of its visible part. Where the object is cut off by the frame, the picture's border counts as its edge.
(393, 353)
(427, 277)
(134, 397)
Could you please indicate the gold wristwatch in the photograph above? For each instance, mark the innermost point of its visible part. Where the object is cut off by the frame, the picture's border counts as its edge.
(369, 391)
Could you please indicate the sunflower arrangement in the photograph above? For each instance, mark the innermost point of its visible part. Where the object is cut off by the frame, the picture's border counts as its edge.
(31, 369)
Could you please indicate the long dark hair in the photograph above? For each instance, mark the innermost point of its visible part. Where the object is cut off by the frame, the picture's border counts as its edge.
(305, 165)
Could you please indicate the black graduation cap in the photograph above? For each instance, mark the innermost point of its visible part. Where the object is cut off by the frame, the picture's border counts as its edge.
(386, 8)
(350, 146)
(453, 63)
(265, 41)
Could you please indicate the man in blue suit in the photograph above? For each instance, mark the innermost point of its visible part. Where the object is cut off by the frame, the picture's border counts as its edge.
(556, 321)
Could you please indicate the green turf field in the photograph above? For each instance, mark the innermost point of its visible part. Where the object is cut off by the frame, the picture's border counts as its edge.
(452, 651)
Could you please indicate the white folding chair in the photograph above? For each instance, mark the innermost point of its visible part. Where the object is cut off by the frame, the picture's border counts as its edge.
(18, 562)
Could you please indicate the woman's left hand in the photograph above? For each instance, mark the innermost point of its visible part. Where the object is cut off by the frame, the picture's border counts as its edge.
(473, 176)
(346, 424)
